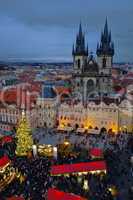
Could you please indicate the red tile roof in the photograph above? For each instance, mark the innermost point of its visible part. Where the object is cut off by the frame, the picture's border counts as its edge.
(4, 161)
(79, 167)
(54, 194)
(20, 95)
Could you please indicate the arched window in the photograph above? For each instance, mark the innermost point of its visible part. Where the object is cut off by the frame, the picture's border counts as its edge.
(96, 128)
(104, 62)
(81, 82)
(78, 84)
(76, 126)
(78, 63)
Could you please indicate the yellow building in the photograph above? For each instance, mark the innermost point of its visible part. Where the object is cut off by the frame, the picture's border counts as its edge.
(97, 116)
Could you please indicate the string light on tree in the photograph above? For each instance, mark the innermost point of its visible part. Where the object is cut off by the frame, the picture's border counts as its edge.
(24, 137)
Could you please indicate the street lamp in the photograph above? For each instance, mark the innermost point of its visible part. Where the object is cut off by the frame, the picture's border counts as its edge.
(85, 186)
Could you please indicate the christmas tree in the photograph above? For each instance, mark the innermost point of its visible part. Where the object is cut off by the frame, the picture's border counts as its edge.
(24, 137)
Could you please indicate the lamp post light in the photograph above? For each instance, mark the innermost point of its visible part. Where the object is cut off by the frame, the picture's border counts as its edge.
(85, 186)
(55, 152)
(34, 147)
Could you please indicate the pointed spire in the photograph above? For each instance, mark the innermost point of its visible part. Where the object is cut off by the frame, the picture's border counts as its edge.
(105, 46)
(112, 45)
(80, 29)
(102, 37)
(87, 49)
(106, 28)
(110, 36)
(80, 47)
(73, 50)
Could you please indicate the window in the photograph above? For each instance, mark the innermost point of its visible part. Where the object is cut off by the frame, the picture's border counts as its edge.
(78, 84)
(104, 62)
(78, 63)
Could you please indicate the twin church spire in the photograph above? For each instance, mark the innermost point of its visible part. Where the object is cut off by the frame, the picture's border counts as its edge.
(80, 48)
(105, 47)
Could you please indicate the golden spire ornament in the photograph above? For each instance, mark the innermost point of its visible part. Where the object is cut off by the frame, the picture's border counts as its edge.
(24, 137)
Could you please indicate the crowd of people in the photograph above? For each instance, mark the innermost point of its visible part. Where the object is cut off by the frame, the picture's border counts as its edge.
(97, 186)
(36, 178)
(103, 140)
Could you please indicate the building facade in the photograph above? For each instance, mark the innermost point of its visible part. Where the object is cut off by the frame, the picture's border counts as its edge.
(10, 115)
(93, 78)
(97, 115)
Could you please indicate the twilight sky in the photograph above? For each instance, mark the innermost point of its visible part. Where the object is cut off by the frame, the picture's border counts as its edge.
(46, 29)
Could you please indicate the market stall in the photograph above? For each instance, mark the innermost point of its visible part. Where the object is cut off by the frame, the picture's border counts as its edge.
(54, 194)
(79, 168)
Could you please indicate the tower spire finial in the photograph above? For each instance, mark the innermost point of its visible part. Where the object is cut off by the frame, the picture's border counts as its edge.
(80, 47)
(105, 46)
(80, 28)
(106, 27)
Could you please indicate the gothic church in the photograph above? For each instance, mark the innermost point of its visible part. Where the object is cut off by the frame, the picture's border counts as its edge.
(93, 78)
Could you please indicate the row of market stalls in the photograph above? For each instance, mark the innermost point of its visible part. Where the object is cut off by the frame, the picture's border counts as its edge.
(78, 130)
(79, 168)
(96, 165)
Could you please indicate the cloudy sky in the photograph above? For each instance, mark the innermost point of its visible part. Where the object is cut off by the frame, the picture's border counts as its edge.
(46, 29)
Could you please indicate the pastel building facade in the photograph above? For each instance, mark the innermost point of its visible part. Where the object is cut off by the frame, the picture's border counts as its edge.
(111, 117)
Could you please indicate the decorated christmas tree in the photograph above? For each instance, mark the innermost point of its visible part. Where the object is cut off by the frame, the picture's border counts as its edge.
(24, 137)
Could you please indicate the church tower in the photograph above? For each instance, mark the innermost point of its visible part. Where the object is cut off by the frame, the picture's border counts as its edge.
(105, 53)
(79, 52)
(80, 57)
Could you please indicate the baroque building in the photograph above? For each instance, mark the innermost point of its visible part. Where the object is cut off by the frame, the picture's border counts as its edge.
(95, 108)
(93, 78)
(109, 114)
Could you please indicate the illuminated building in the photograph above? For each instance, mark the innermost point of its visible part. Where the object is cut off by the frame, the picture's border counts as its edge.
(96, 115)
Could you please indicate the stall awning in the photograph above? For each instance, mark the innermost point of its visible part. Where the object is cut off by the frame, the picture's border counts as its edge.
(65, 128)
(79, 167)
(7, 139)
(93, 131)
(80, 130)
(4, 161)
(15, 198)
(96, 152)
(54, 194)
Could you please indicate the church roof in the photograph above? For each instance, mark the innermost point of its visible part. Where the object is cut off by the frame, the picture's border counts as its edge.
(91, 66)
